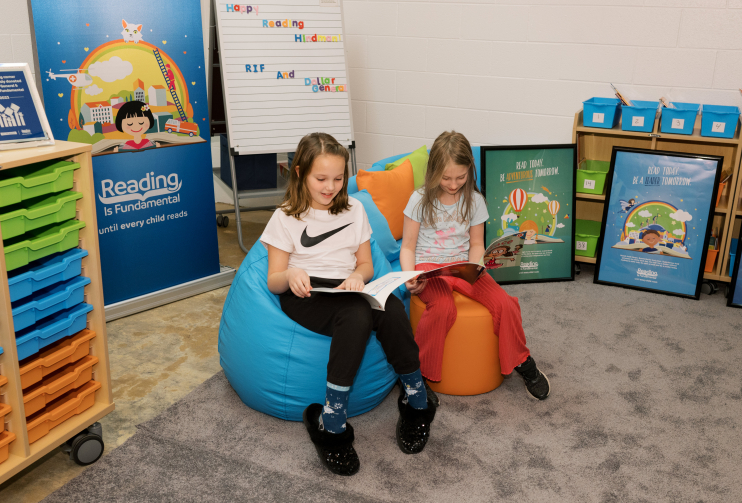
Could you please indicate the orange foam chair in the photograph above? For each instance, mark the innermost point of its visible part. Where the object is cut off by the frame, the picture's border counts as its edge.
(471, 355)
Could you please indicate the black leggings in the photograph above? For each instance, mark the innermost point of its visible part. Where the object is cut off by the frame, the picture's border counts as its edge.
(349, 320)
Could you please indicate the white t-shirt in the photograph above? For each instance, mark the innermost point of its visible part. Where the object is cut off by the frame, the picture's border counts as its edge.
(322, 244)
(448, 240)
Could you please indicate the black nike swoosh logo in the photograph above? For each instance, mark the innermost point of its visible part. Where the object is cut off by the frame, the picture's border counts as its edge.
(308, 241)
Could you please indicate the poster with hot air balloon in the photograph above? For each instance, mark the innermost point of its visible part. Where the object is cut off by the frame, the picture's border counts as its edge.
(531, 189)
(734, 297)
(657, 216)
(129, 79)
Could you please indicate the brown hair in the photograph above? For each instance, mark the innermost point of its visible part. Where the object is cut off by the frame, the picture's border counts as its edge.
(450, 146)
(297, 199)
(651, 231)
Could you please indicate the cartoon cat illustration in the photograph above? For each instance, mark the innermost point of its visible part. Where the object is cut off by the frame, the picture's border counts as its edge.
(131, 32)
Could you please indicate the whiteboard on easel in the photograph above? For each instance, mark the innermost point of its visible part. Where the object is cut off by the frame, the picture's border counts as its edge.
(284, 73)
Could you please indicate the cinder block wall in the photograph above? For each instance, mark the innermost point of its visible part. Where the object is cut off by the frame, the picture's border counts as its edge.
(507, 72)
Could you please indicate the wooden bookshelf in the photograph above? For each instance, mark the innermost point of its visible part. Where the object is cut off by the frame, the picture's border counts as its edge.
(23, 454)
(597, 144)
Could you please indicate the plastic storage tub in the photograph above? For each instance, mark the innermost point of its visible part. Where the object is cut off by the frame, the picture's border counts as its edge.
(679, 120)
(6, 438)
(587, 233)
(35, 180)
(45, 272)
(639, 116)
(55, 356)
(732, 255)
(59, 411)
(710, 260)
(719, 121)
(4, 411)
(57, 384)
(40, 243)
(23, 217)
(63, 324)
(591, 176)
(601, 112)
(48, 301)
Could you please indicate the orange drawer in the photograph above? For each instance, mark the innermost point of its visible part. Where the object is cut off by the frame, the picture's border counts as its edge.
(56, 356)
(6, 438)
(65, 407)
(57, 384)
(4, 411)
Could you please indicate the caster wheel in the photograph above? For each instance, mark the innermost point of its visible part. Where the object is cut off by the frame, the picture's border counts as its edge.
(220, 221)
(578, 269)
(86, 449)
(225, 222)
(709, 287)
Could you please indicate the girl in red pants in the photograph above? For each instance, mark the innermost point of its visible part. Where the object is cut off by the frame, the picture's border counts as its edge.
(444, 223)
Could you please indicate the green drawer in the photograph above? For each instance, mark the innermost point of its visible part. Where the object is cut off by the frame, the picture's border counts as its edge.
(34, 213)
(587, 233)
(40, 243)
(35, 180)
(591, 176)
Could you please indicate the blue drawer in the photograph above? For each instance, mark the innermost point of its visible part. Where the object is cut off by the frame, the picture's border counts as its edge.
(639, 116)
(48, 301)
(719, 121)
(70, 321)
(601, 112)
(679, 120)
(45, 272)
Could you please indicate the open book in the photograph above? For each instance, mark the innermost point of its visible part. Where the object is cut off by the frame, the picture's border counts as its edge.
(502, 250)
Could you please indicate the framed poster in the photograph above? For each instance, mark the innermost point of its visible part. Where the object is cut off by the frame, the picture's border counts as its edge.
(531, 189)
(734, 299)
(657, 216)
(129, 79)
(23, 122)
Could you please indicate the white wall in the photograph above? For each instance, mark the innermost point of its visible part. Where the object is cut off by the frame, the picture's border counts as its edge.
(507, 72)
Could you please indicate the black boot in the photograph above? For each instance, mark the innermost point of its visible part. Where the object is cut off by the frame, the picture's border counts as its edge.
(335, 450)
(537, 384)
(413, 426)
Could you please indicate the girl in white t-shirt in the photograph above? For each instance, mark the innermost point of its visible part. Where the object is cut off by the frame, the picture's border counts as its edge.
(320, 237)
(444, 223)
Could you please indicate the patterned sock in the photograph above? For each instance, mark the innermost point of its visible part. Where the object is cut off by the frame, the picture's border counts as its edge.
(413, 384)
(335, 411)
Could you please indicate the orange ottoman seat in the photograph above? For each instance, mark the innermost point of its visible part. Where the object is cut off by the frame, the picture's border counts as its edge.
(471, 355)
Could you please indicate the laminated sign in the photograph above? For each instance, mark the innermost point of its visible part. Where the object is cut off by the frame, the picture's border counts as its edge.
(530, 190)
(129, 79)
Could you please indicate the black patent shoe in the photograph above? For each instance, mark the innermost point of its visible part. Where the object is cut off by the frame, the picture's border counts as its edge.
(537, 384)
(432, 396)
(413, 426)
(335, 450)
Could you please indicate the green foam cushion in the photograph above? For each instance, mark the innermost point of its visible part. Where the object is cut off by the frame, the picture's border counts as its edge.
(419, 161)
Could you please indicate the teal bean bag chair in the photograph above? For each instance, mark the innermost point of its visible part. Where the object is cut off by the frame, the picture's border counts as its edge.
(278, 367)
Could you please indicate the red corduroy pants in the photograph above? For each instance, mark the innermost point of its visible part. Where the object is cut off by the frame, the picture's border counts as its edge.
(440, 315)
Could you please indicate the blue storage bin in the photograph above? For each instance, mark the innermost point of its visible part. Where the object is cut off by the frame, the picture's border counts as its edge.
(48, 301)
(719, 121)
(601, 112)
(45, 272)
(70, 321)
(679, 120)
(732, 254)
(639, 116)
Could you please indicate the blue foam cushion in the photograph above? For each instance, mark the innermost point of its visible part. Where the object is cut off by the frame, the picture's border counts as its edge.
(382, 233)
(278, 367)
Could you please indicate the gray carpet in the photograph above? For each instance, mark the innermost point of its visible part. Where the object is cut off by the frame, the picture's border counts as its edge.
(646, 406)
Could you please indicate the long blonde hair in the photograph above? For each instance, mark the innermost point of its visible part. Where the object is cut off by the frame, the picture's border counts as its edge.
(449, 146)
(297, 199)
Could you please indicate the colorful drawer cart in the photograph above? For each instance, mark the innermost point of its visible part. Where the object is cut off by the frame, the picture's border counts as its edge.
(594, 148)
(54, 370)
